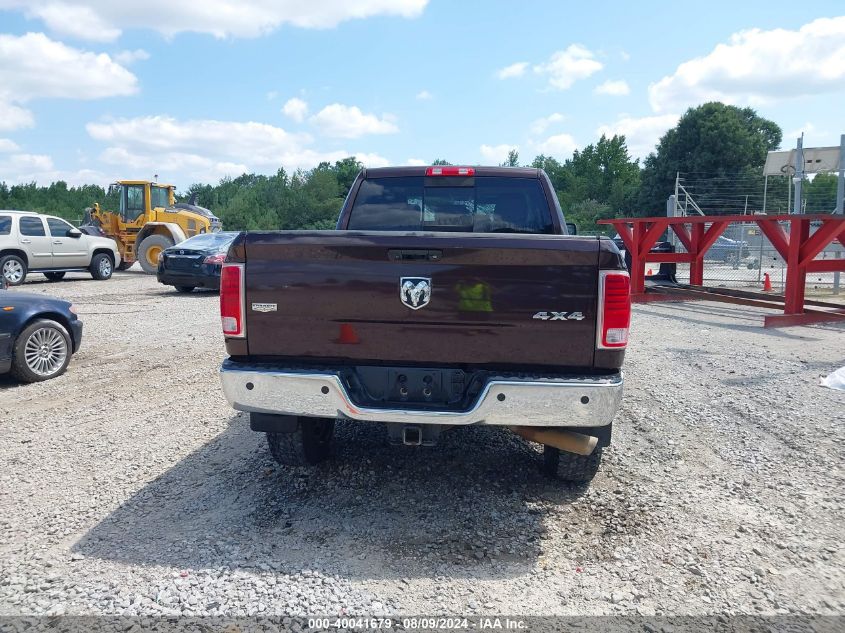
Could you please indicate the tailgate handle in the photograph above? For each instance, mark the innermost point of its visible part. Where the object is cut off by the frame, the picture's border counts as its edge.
(414, 255)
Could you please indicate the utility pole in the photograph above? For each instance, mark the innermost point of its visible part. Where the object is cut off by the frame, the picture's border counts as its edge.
(677, 178)
(799, 174)
(840, 182)
(840, 200)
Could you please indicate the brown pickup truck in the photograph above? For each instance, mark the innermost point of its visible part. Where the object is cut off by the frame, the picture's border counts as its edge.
(447, 296)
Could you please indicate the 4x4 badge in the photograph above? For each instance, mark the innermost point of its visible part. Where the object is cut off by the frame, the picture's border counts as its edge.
(559, 316)
(415, 292)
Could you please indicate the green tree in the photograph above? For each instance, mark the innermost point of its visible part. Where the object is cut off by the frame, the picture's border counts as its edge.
(512, 160)
(711, 140)
(603, 172)
(553, 168)
(819, 194)
(586, 214)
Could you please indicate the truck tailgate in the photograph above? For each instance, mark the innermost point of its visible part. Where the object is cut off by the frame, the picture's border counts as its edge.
(498, 299)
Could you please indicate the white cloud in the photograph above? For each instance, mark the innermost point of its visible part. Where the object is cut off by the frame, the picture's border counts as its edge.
(272, 94)
(17, 168)
(25, 168)
(424, 95)
(641, 134)
(614, 88)
(372, 160)
(296, 109)
(514, 70)
(495, 154)
(807, 129)
(558, 145)
(757, 67)
(130, 57)
(14, 117)
(538, 126)
(34, 66)
(73, 19)
(566, 67)
(814, 136)
(343, 121)
(189, 151)
(416, 162)
(103, 20)
(7, 146)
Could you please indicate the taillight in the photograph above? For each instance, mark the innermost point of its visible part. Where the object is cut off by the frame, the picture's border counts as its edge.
(232, 300)
(614, 309)
(215, 259)
(450, 170)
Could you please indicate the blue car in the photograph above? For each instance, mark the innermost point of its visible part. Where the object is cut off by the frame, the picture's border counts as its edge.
(38, 335)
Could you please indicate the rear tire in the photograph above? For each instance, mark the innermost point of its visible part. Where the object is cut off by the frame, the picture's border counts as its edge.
(124, 265)
(149, 250)
(185, 289)
(13, 269)
(42, 351)
(310, 444)
(101, 267)
(54, 276)
(571, 467)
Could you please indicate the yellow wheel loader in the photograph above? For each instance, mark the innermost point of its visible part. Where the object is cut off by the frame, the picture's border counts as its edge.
(149, 220)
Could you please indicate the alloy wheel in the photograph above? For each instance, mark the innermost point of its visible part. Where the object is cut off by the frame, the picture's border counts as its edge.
(13, 271)
(45, 351)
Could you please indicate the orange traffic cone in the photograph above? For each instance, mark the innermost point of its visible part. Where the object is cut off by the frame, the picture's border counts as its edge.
(649, 273)
(347, 335)
(767, 283)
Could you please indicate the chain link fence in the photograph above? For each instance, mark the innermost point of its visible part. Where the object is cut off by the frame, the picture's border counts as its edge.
(743, 256)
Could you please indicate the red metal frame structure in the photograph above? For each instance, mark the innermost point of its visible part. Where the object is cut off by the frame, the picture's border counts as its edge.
(796, 246)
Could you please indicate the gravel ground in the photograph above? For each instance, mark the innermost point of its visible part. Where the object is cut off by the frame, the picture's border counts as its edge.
(128, 486)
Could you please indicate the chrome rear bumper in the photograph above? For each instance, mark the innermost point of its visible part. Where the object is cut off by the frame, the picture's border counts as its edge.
(578, 401)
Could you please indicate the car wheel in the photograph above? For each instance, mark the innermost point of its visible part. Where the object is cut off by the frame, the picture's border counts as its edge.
(54, 276)
(101, 267)
(571, 467)
(150, 249)
(309, 444)
(13, 269)
(184, 289)
(42, 351)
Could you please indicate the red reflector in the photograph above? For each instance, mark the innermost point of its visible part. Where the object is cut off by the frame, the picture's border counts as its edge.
(614, 309)
(232, 300)
(450, 170)
(215, 259)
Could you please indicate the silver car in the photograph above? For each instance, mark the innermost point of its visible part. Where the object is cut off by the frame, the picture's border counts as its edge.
(32, 242)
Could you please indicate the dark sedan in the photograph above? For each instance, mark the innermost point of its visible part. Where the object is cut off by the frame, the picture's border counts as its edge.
(196, 262)
(38, 335)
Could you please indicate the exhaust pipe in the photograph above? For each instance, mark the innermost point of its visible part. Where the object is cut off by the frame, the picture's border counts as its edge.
(564, 440)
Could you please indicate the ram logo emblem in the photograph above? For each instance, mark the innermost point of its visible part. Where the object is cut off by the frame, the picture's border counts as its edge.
(415, 292)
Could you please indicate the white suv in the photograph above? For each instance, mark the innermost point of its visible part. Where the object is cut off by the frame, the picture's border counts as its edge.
(31, 242)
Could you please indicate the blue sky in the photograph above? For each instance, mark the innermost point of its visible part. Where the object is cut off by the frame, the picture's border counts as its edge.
(96, 90)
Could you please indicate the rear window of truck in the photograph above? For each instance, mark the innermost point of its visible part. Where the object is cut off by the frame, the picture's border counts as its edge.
(473, 205)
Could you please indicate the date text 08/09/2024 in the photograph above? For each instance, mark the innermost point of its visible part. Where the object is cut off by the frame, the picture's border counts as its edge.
(417, 623)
